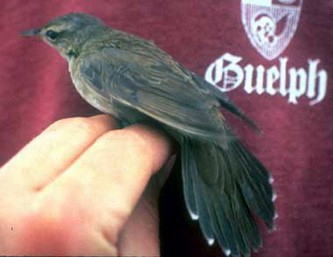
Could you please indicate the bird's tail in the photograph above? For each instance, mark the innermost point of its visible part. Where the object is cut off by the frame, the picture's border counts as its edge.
(223, 188)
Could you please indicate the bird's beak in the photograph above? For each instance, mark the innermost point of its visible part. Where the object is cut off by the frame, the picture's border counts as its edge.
(30, 33)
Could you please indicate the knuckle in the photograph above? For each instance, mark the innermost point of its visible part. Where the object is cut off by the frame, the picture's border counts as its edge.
(136, 142)
(139, 150)
(126, 145)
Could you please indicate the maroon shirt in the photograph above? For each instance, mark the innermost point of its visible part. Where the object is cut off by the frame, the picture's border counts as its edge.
(273, 57)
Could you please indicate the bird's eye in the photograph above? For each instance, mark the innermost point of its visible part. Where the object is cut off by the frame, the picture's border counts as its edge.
(51, 34)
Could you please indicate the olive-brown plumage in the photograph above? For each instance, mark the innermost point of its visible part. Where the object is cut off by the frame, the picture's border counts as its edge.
(134, 80)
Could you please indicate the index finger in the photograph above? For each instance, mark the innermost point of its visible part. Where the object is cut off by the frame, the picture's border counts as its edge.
(50, 153)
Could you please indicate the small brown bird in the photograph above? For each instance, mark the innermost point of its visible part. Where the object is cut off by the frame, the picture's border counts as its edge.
(132, 79)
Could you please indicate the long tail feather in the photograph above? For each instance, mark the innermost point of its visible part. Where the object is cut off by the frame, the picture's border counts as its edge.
(223, 188)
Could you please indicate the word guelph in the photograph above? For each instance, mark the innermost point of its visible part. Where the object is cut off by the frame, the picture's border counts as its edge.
(227, 74)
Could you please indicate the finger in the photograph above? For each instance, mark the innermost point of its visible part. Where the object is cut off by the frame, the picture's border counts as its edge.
(142, 224)
(144, 221)
(112, 174)
(55, 149)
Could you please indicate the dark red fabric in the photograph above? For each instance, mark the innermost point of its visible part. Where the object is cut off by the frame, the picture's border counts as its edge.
(297, 143)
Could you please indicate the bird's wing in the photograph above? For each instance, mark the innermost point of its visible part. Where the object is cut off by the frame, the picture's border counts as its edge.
(157, 87)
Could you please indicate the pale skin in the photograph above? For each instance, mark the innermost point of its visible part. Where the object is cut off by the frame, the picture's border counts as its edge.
(84, 187)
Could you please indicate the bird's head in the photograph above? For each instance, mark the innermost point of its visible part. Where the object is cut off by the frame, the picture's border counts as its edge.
(67, 33)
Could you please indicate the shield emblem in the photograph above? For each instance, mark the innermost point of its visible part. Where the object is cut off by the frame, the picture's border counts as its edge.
(270, 24)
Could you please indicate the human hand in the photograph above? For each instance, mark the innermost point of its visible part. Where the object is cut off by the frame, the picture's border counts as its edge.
(80, 188)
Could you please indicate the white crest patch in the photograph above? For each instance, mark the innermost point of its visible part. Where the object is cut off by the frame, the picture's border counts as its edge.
(270, 24)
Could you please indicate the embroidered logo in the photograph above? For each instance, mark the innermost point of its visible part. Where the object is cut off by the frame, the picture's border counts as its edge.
(270, 24)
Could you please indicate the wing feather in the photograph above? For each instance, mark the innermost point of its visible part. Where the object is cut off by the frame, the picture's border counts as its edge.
(154, 88)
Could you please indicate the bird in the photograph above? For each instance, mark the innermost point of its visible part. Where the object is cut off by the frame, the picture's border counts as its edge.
(225, 186)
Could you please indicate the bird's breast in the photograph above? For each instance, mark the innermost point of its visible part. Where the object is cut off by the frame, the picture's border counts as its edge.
(102, 102)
